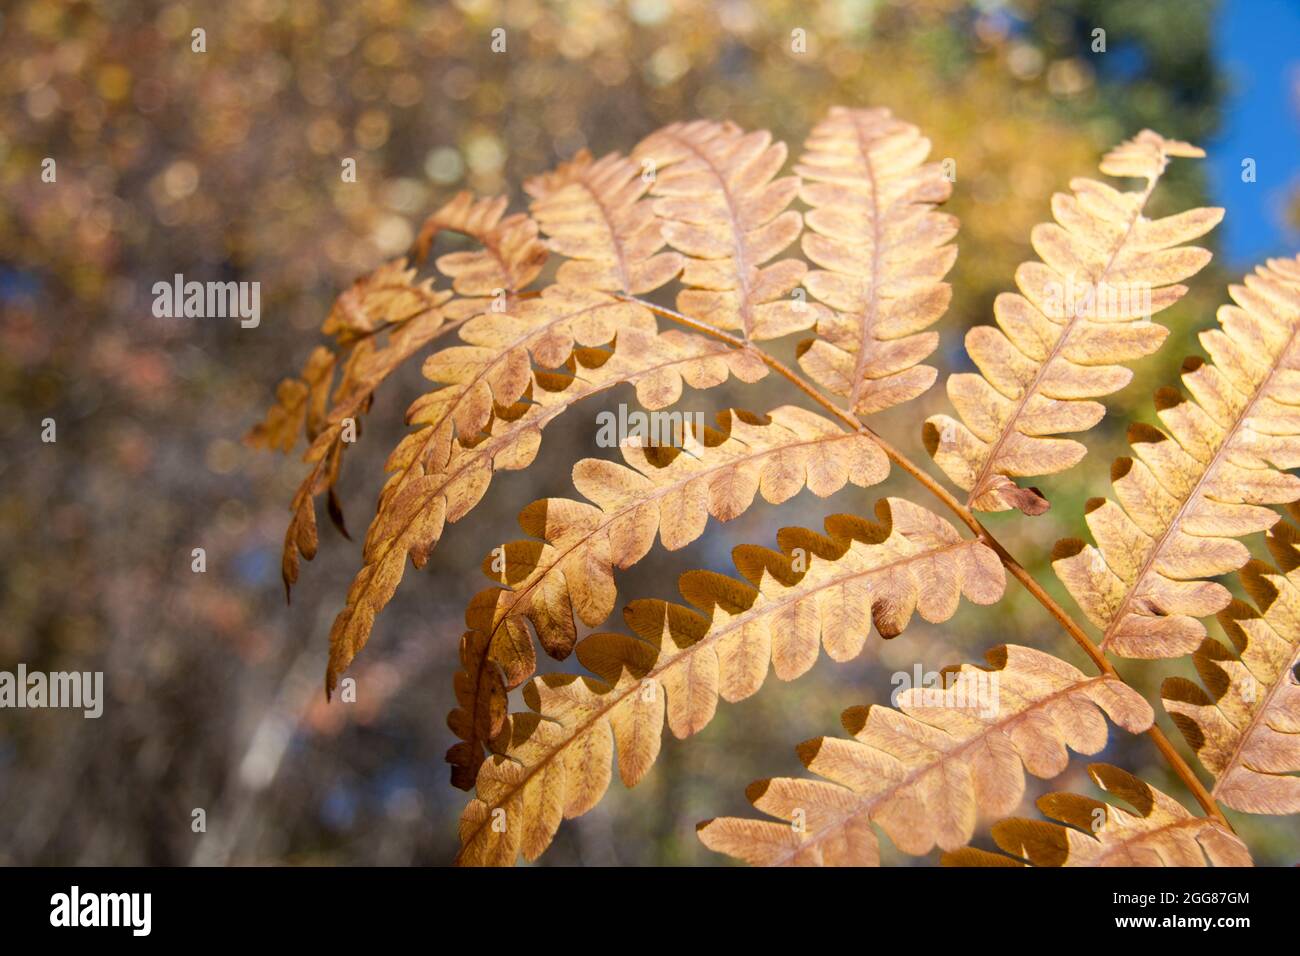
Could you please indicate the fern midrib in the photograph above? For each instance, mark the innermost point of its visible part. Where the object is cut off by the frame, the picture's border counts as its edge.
(869, 803)
(615, 241)
(1018, 571)
(490, 239)
(870, 312)
(977, 487)
(707, 639)
(737, 234)
(1260, 392)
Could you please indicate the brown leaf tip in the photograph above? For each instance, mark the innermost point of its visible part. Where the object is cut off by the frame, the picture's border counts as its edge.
(930, 438)
(754, 792)
(1032, 501)
(1067, 548)
(855, 718)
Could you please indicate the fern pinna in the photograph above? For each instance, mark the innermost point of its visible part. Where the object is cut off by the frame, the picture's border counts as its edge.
(704, 207)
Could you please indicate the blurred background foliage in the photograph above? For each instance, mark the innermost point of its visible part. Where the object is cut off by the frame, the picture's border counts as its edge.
(225, 165)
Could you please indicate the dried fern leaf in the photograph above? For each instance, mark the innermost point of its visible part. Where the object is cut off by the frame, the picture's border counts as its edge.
(1160, 833)
(926, 772)
(441, 474)
(1081, 312)
(592, 211)
(818, 590)
(723, 210)
(1189, 493)
(883, 251)
(381, 302)
(565, 572)
(386, 297)
(493, 369)
(1245, 724)
(512, 255)
(300, 407)
(494, 364)
(367, 370)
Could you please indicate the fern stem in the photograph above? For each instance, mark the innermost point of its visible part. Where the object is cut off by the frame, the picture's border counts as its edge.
(967, 517)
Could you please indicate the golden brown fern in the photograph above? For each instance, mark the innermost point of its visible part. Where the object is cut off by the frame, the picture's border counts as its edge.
(818, 590)
(567, 569)
(723, 210)
(593, 213)
(1160, 833)
(388, 301)
(1080, 313)
(391, 300)
(883, 252)
(390, 296)
(925, 772)
(1189, 493)
(590, 210)
(511, 256)
(379, 302)
(714, 194)
(1245, 724)
(300, 405)
(882, 245)
(439, 476)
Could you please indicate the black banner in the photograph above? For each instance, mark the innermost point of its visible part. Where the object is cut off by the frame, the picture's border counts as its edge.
(333, 905)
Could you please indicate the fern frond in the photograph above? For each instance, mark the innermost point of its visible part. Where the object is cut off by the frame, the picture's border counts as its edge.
(1080, 313)
(389, 301)
(926, 772)
(883, 252)
(379, 301)
(592, 211)
(440, 474)
(723, 210)
(557, 761)
(1188, 494)
(1160, 833)
(300, 405)
(384, 299)
(566, 571)
(1245, 724)
(494, 366)
(511, 258)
